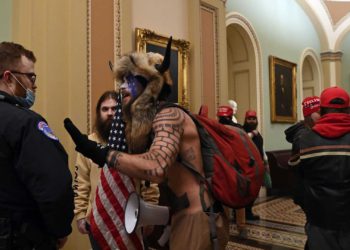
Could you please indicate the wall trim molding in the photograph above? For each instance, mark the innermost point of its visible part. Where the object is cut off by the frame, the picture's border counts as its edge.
(88, 84)
(331, 56)
(117, 30)
(116, 52)
(214, 11)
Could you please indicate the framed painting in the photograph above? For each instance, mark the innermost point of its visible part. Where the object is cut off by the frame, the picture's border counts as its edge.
(282, 90)
(149, 41)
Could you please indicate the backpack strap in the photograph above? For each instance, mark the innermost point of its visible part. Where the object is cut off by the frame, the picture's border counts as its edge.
(203, 182)
(175, 202)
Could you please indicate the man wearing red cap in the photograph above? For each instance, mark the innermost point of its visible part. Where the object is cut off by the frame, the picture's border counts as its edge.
(325, 166)
(225, 114)
(311, 112)
(250, 126)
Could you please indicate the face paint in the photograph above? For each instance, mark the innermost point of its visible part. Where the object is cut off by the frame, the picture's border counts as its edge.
(132, 85)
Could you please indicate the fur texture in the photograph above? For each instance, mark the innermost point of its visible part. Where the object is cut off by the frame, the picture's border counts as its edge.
(139, 116)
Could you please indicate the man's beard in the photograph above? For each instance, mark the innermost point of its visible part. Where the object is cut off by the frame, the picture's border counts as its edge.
(226, 121)
(126, 108)
(248, 127)
(103, 128)
(138, 115)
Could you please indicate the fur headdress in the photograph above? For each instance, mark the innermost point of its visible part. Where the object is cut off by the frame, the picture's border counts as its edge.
(154, 69)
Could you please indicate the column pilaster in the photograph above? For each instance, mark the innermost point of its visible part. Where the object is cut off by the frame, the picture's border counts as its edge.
(331, 64)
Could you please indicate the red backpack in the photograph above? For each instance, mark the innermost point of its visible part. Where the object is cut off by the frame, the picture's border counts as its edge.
(232, 163)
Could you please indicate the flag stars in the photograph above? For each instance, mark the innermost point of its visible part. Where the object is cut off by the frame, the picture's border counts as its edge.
(116, 138)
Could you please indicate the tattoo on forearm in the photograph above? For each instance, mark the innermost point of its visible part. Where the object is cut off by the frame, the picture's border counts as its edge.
(168, 130)
(114, 159)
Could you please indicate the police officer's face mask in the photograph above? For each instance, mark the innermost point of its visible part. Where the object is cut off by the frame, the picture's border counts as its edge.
(29, 100)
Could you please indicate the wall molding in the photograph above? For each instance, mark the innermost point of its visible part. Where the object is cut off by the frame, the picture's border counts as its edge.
(114, 43)
(331, 56)
(88, 48)
(214, 11)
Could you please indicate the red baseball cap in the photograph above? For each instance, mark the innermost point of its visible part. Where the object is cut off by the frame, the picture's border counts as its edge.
(311, 105)
(250, 113)
(334, 97)
(224, 111)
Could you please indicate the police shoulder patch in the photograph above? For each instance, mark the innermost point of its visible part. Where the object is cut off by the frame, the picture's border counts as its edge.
(43, 127)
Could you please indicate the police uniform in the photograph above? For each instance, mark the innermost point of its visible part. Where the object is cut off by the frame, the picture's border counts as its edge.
(36, 196)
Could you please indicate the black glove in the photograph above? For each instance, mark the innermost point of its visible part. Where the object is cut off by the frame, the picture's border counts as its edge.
(90, 149)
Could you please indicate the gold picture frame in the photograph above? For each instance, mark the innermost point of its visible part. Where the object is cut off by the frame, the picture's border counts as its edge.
(282, 90)
(149, 41)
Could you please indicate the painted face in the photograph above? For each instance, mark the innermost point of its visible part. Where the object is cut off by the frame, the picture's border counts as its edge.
(131, 88)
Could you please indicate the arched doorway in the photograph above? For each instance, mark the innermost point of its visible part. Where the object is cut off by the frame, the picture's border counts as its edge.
(310, 78)
(244, 66)
(311, 75)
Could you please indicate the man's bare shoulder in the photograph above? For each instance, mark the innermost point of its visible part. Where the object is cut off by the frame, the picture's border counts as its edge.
(171, 115)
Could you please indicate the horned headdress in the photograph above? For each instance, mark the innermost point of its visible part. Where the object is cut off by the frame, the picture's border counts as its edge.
(155, 69)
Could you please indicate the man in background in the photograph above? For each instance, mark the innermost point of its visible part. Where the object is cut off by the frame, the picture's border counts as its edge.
(225, 115)
(325, 165)
(250, 126)
(234, 107)
(311, 112)
(36, 196)
(87, 173)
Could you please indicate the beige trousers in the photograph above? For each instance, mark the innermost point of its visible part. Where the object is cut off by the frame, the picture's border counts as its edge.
(192, 231)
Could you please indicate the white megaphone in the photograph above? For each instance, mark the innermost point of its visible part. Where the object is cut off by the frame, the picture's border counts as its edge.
(139, 213)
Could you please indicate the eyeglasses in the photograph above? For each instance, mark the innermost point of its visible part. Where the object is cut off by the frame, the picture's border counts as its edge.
(31, 76)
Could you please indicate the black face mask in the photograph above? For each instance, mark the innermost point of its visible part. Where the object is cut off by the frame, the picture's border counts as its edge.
(226, 120)
(250, 126)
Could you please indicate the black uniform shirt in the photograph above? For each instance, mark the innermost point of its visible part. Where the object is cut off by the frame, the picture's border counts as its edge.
(35, 180)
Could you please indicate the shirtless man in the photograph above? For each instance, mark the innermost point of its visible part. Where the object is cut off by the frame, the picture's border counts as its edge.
(145, 84)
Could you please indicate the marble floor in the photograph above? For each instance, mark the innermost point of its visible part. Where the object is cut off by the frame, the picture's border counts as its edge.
(281, 227)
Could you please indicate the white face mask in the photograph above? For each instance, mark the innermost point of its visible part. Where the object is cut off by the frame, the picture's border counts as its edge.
(29, 100)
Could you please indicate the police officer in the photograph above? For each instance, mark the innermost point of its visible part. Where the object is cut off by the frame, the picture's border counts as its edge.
(36, 196)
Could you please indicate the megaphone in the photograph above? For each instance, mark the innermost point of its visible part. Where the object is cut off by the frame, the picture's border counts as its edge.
(139, 213)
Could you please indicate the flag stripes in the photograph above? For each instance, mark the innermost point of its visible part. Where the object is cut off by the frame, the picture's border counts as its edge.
(113, 190)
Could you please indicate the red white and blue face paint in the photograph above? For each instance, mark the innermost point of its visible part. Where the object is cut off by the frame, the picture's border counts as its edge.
(133, 85)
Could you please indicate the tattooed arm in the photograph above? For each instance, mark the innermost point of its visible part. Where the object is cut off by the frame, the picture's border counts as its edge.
(153, 165)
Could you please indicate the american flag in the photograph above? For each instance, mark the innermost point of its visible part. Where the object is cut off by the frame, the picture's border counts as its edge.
(107, 217)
